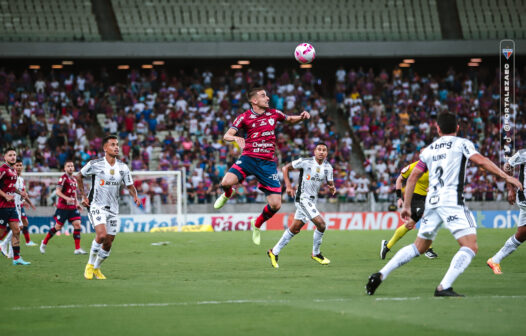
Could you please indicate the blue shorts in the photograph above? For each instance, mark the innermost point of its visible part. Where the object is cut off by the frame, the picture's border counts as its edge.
(63, 215)
(8, 215)
(265, 171)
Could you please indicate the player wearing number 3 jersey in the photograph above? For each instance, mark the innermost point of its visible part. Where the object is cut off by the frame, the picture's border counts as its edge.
(107, 174)
(446, 160)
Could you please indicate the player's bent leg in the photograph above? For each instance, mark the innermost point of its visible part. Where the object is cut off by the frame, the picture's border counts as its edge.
(288, 234)
(50, 234)
(76, 237)
(229, 180)
(273, 206)
(317, 238)
(25, 232)
(96, 246)
(15, 243)
(386, 246)
(509, 247)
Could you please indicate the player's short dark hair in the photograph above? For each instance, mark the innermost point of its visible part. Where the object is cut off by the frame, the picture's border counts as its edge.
(68, 161)
(252, 92)
(108, 138)
(447, 122)
(8, 149)
(18, 160)
(322, 144)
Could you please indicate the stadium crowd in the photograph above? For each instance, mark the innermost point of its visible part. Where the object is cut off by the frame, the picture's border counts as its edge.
(174, 121)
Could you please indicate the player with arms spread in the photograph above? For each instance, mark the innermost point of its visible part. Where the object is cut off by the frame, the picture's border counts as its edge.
(107, 174)
(8, 214)
(259, 124)
(417, 209)
(514, 196)
(314, 172)
(445, 159)
(68, 208)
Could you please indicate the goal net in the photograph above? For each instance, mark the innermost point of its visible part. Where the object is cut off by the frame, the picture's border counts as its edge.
(162, 196)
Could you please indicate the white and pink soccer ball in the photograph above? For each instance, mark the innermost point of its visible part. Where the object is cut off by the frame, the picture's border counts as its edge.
(305, 53)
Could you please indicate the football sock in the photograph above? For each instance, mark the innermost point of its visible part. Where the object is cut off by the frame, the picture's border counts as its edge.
(511, 245)
(228, 192)
(26, 234)
(76, 237)
(16, 252)
(317, 237)
(95, 247)
(459, 263)
(399, 233)
(285, 238)
(49, 235)
(402, 257)
(5, 233)
(265, 215)
(8, 237)
(101, 256)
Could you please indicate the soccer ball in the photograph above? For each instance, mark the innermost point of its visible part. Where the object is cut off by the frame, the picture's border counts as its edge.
(305, 53)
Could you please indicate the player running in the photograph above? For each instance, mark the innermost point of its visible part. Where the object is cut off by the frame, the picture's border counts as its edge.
(446, 160)
(257, 157)
(417, 209)
(8, 214)
(314, 172)
(68, 208)
(106, 176)
(519, 159)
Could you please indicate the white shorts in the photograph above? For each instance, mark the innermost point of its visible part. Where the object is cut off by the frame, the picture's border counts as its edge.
(98, 216)
(457, 219)
(522, 217)
(306, 210)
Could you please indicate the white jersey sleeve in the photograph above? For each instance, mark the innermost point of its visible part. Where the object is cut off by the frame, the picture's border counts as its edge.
(468, 148)
(297, 164)
(126, 175)
(330, 172)
(87, 170)
(518, 158)
(19, 185)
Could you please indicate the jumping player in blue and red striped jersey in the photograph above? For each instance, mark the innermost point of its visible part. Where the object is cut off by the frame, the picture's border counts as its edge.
(259, 124)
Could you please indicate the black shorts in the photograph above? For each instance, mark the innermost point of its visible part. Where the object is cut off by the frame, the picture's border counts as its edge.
(418, 204)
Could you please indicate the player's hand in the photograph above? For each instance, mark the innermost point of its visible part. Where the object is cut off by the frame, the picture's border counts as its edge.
(240, 142)
(9, 197)
(406, 214)
(32, 206)
(23, 194)
(79, 207)
(85, 202)
(137, 201)
(513, 181)
(400, 203)
(305, 115)
(511, 197)
(332, 189)
(291, 192)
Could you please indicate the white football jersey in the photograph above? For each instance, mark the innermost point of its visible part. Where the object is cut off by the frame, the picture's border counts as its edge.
(106, 182)
(312, 176)
(446, 160)
(519, 159)
(20, 185)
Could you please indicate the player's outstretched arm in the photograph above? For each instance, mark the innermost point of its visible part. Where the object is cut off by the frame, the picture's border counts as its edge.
(409, 190)
(288, 186)
(230, 136)
(61, 195)
(295, 119)
(485, 163)
(7, 197)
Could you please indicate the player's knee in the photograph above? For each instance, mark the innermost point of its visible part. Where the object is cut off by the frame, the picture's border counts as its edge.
(321, 227)
(410, 225)
(295, 229)
(16, 230)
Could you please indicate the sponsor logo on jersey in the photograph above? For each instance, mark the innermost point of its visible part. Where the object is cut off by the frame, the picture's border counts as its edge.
(271, 121)
(442, 145)
(253, 117)
(268, 113)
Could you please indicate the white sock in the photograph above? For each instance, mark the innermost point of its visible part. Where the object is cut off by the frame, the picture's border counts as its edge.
(8, 237)
(101, 256)
(285, 238)
(317, 237)
(95, 247)
(511, 245)
(459, 263)
(402, 257)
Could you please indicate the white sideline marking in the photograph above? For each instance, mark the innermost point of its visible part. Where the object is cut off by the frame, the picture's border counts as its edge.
(163, 304)
(398, 298)
(466, 297)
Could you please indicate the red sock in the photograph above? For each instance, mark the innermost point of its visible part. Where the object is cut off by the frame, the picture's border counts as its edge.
(26, 234)
(264, 216)
(228, 192)
(50, 234)
(16, 252)
(76, 237)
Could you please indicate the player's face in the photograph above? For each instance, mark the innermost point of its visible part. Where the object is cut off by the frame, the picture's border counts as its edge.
(320, 152)
(10, 157)
(69, 168)
(112, 147)
(19, 167)
(261, 99)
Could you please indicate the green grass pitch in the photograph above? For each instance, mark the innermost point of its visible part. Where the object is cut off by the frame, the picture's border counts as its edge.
(222, 284)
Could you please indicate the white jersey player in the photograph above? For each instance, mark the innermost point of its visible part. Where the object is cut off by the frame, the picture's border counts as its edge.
(106, 174)
(446, 160)
(517, 160)
(314, 172)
